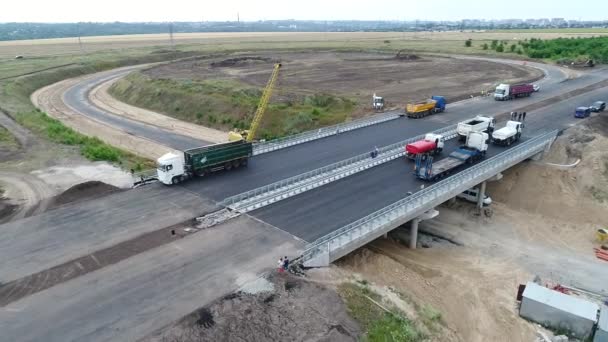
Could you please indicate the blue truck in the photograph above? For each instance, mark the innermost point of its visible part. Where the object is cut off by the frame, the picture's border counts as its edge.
(474, 150)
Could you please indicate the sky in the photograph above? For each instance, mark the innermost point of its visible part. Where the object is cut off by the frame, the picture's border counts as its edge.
(249, 10)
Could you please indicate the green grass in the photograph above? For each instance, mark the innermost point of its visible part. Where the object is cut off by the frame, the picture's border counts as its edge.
(7, 140)
(90, 147)
(556, 30)
(15, 100)
(379, 325)
(227, 104)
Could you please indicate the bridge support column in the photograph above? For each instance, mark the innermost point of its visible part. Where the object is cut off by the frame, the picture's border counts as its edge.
(481, 194)
(414, 233)
(414, 226)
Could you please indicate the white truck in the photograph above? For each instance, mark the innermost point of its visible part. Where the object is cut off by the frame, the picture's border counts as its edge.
(377, 102)
(472, 151)
(508, 134)
(477, 124)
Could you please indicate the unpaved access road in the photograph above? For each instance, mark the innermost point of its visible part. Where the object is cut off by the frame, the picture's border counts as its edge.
(131, 299)
(40, 242)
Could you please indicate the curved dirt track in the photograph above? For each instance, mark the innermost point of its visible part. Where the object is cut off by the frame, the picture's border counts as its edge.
(30, 191)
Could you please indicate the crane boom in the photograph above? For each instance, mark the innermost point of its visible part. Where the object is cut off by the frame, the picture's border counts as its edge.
(259, 113)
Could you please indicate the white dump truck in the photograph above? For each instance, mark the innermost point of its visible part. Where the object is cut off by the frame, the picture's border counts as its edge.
(508, 134)
(477, 124)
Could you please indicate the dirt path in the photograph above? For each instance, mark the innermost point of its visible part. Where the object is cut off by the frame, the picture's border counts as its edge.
(100, 97)
(23, 136)
(49, 99)
(28, 192)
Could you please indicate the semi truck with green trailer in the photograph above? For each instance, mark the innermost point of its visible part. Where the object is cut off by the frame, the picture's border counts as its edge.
(176, 167)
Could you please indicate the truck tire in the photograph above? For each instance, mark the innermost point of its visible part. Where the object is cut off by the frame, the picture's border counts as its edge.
(228, 166)
(244, 162)
(236, 163)
(176, 180)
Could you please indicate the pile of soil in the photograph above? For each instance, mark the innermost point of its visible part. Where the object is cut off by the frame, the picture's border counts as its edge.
(295, 310)
(241, 61)
(402, 55)
(83, 191)
(558, 192)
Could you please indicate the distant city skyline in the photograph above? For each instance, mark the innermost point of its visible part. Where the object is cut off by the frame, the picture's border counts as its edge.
(65, 11)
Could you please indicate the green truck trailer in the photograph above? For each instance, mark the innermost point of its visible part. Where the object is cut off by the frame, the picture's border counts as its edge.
(176, 167)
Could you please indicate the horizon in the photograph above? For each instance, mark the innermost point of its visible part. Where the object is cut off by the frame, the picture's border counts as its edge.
(138, 11)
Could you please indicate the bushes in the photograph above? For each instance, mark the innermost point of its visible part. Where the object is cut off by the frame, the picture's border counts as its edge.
(468, 42)
(90, 147)
(595, 48)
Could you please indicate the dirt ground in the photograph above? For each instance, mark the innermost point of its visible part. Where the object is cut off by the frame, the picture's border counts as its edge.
(27, 194)
(356, 75)
(280, 307)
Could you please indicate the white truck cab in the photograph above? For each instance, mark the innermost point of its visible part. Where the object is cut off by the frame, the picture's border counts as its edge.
(170, 168)
(437, 138)
(377, 102)
(478, 141)
(502, 92)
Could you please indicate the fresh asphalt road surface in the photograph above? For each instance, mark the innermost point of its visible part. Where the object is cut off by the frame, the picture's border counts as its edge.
(318, 212)
(271, 167)
(133, 298)
(40, 242)
(76, 97)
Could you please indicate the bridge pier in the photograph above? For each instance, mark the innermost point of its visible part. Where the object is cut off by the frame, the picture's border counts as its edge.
(414, 225)
(481, 194)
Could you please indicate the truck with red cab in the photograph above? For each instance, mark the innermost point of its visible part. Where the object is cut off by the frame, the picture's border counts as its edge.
(432, 144)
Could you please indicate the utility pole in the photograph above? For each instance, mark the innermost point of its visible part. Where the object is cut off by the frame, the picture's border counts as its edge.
(79, 40)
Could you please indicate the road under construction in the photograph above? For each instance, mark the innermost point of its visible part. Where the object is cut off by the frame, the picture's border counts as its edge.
(213, 261)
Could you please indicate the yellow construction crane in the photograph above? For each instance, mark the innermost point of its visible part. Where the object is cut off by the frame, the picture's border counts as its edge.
(249, 134)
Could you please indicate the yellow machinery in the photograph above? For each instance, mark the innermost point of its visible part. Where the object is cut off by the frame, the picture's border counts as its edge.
(601, 235)
(249, 134)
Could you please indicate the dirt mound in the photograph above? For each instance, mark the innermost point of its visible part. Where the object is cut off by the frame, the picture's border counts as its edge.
(405, 56)
(306, 311)
(574, 193)
(241, 61)
(82, 191)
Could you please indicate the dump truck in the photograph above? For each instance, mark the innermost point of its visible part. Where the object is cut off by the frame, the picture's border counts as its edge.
(176, 167)
(479, 123)
(505, 92)
(431, 145)
(377, 103)
(508, 134)
(436, 104)
(472, 151)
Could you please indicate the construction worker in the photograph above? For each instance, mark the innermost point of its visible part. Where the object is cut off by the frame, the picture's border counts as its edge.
(512, 115)
(519, 116)
(524, 116)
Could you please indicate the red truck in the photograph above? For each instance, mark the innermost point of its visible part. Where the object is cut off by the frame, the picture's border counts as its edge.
(510, 91)
(432, 144)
